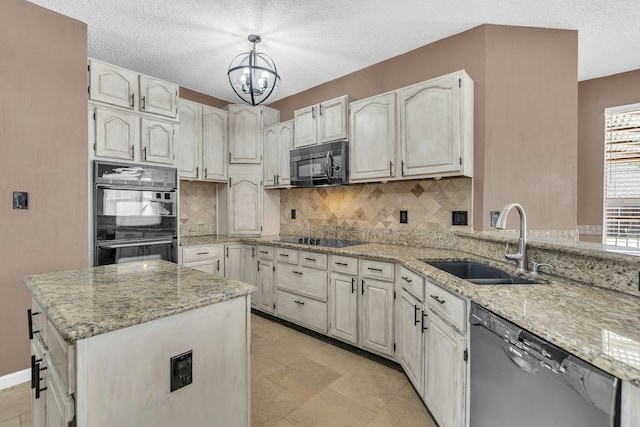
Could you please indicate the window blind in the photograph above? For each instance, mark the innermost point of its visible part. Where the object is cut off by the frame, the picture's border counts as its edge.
(622, 179)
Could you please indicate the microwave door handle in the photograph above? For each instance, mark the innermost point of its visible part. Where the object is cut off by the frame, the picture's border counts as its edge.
(329, 166)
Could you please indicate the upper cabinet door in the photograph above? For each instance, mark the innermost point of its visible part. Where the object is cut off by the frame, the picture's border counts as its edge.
(285, 144)
(430, 127)
(157, 141)
(334, 120)
(158, 96)
(214, 143)
(188, 139)
(113, 85)
(270, 158)
(305, 127)
(372, 138)
(245, 134)
(117, 135)
(245, 201)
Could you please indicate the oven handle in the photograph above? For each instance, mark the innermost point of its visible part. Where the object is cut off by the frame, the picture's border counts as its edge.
(136, 188)
(131, 245)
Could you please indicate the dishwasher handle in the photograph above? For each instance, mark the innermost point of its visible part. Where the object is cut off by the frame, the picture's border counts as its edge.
(524, 361)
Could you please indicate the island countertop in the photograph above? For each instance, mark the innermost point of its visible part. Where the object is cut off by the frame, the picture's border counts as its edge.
(96, 300)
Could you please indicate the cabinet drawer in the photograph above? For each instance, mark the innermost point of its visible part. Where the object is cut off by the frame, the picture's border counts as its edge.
(208, 266)
(265, 252)
(61, 357)
(304, 311)
(344, 264)
(313, 259)
(377, 269)
(310, 282)
(198, 253)
(287, 255)
(449, 306)
(412, 282)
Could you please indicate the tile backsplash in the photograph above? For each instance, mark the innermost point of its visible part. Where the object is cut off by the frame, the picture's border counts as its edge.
(375, 208)
(197, 208)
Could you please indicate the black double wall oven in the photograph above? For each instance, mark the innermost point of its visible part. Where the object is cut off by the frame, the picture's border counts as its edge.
(135, 213)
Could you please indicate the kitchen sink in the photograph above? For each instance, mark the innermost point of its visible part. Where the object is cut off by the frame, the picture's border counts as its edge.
(480, 274)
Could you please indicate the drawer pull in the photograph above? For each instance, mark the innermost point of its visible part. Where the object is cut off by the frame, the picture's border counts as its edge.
(264, 252)
(379, 270)
(424, 328)
(406, 279)
(310, 259)
(284, 255)
(343, 264)
(415, 315)
(297, 272)
(30, 320)
(435, 297)
(202, 253)
(299, 302)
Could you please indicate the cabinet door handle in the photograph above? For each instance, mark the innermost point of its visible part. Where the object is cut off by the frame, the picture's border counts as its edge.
(390, 168)
(297, 272)
(30, 315)
(218, 265)
(133, 97)
(435, 297)
(278, 179)
(362, 286)
(321, 109)
(424, 328)
(406, 279)
(313, 113)
(379, 270)
(34, 371)
(353, 284)
(38, 379)
(310, 259)
(202, 253)
(197, 171)
(258, 265)
(415, 315)
(206, 172)
(144, 153)
(402, 167)
(132, 152)
(253, 252)
(299, 302)
(144, 102)
(227, 248)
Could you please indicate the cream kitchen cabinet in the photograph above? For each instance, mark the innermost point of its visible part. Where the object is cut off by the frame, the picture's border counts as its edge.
(266, 279)
(446, 356)
(201, 142)
(320, 123)
(127, 89)
(233, 261)
(246, 128)
(436, 127)
(118, 134)
(207, 258)
(245, 205)
(278, 141)
(376, 295)
(372, 138)
(410, 326)
(343, 298)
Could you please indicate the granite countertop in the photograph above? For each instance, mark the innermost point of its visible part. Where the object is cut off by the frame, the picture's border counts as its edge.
(598, 325)
(92, 301)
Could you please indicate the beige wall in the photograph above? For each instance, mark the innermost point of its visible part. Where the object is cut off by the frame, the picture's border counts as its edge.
(194, 96)
(525, 131)
(593, 97)
(43, 137)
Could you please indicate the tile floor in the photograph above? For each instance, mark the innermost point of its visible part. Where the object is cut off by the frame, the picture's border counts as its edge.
(297, 380)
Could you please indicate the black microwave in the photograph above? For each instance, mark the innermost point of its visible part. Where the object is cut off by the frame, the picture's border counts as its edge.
(320, 165)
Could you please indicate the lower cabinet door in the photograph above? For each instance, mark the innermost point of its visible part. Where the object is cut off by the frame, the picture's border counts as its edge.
(306, 312)
(409, 331)
(60, 407)
(377, 316)
(343, 308)
(266, 285)
(445, 372)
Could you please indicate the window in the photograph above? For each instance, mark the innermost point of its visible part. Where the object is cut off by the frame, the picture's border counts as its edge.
(622, 177)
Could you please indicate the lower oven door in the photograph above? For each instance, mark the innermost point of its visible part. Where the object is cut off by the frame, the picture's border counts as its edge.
(117, 253)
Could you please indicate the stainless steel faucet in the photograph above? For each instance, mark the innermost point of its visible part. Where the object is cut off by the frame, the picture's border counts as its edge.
(521, 256)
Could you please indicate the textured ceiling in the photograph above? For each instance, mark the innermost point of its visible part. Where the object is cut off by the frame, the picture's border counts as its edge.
(192, 42)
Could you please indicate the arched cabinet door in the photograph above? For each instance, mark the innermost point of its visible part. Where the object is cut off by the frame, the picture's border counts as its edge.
(245, 201)
(157, 141)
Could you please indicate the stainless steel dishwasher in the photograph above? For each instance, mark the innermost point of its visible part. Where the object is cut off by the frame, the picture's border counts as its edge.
(518, 379)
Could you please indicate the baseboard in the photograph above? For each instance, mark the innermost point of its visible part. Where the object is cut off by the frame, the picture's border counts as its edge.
(15, 378)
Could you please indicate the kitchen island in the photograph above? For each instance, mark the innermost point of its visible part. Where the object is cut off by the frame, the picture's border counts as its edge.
(147, 344)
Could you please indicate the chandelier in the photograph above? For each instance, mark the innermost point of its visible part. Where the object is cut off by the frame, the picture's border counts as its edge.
(253, 76)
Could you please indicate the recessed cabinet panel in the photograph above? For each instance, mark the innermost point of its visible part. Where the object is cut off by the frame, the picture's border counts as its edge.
(214, 143)
(157, 141)
(188, 139)
(158, 96)
(112, 85)
(373, 138)
(377, 316)
(245, 201)
(116, 134)
(266, 286)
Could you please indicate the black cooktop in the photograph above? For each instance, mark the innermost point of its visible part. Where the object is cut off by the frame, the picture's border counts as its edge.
(321, 241)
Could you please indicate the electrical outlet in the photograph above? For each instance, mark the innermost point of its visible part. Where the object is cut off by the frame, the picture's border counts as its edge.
(459, 218)
(494, 217)
(181, 370)
(293, 214)
(404, 217)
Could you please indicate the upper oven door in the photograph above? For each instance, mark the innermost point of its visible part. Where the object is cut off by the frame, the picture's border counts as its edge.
(134, 213)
